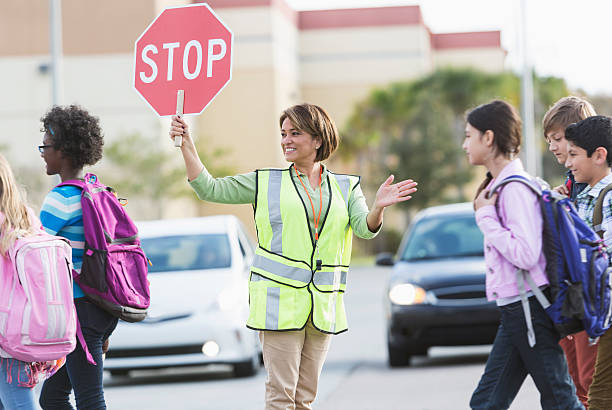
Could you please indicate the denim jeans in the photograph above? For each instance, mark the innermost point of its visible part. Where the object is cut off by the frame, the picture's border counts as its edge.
(511, 360)
(12, 395)
(78, 374)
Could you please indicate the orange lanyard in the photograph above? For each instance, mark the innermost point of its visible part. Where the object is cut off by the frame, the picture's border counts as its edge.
(316, 220)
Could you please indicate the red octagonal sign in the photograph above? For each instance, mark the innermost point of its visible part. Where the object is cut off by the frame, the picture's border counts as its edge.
(185, 48)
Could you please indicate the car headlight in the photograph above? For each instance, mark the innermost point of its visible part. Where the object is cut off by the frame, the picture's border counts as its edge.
(407, 294)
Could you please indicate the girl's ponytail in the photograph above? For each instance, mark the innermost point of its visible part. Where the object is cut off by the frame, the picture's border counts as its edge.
(484, 184)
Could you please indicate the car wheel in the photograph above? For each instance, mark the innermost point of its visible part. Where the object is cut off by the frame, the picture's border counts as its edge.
(119, 372)
(398, 357)
(247, 368)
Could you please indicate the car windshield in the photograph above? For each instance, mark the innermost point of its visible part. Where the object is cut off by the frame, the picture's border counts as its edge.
(448, 236)
(187, 252)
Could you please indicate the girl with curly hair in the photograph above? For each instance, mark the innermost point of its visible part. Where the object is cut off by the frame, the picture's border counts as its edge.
(17, 378)
(73, 139)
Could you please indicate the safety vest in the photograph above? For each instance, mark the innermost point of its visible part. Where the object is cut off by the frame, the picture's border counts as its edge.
(290, 279)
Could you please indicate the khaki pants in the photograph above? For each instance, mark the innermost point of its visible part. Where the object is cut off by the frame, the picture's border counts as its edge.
(293, 360)
(600, 393)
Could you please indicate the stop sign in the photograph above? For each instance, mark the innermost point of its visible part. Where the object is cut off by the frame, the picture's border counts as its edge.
(185, 48)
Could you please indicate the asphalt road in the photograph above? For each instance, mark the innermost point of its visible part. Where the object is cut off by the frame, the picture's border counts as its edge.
(355, 375)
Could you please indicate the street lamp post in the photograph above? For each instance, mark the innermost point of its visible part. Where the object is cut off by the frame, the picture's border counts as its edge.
(55, 46)
(532, 152)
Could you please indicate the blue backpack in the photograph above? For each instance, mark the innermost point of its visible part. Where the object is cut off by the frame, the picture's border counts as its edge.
(577, 265)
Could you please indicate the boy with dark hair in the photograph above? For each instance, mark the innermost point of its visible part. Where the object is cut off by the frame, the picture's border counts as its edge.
(589, 158)
(580, 354)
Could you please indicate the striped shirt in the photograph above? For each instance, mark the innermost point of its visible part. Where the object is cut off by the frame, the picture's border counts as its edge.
(61, 214)
(585, 204)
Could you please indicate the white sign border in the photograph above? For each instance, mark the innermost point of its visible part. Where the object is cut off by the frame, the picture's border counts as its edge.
(231, 56)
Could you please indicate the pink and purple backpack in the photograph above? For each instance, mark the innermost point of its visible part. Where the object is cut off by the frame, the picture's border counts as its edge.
(114, 272)
(37, 313)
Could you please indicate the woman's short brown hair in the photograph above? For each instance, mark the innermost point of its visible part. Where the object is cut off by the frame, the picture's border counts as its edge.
(315, 121)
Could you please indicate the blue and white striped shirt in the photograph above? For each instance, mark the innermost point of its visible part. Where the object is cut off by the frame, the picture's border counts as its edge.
(61, 214)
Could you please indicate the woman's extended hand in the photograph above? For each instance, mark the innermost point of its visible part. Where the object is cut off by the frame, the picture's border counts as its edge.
(482, 200)
(389, 194)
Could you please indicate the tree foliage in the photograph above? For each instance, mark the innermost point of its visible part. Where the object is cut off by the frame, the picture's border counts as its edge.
(142, 167)
(415, 129)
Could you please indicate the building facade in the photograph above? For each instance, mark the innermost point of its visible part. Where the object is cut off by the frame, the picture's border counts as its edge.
(282, 56)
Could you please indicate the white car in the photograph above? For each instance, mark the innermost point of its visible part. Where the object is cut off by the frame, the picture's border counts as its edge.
(199, 299)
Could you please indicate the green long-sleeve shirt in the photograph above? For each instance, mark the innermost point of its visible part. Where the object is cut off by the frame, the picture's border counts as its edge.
(240, 189)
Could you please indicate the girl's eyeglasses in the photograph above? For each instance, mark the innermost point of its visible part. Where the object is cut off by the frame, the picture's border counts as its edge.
(41, 148)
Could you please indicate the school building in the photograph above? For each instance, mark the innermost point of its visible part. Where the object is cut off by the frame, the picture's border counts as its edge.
(281, 57)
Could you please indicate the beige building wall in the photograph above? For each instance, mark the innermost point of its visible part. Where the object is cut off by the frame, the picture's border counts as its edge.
(96, 68)
(488, 59)
(244, 117)
(281, 57)
(340, 66)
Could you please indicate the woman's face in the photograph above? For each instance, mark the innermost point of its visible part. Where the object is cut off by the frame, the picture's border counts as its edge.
(51, 156)
(298, 146)
(474, 145)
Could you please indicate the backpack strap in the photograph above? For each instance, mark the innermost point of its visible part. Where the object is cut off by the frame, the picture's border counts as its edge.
(598, 211)
(516, 178)
(81, 340)
(522, 277)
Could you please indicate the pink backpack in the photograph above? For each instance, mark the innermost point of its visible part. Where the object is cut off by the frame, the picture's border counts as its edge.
(37, 313)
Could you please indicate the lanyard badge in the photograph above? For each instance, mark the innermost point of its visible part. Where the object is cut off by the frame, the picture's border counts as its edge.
(317, 218)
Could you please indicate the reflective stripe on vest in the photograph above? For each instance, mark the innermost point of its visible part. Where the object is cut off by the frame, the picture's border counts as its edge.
(272, 307)
(345, 186)
(264, 263)
(274, 210)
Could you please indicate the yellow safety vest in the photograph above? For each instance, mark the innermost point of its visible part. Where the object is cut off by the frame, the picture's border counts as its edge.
(287, 284)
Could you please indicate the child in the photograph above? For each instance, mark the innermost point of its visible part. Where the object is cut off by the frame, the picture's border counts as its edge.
(512, 229)
(564, 112)
(579, 352)
(17, 378)
(72, 140)
(589, 159)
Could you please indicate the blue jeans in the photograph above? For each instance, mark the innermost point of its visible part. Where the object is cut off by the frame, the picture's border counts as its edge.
(511, 359)
(86, 379)
(12, 395)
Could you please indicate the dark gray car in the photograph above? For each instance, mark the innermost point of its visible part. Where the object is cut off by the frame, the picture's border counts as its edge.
(436, 291)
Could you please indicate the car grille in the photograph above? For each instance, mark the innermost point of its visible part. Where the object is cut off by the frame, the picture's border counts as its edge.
(460, 295)
(154, 351)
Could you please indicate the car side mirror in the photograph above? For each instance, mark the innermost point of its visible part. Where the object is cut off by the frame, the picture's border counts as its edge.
(385, 259)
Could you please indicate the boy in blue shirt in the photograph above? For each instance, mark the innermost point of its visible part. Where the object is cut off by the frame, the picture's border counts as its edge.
(589, 158)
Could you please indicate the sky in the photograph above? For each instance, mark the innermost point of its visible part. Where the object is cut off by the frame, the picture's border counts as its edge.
(571, 39)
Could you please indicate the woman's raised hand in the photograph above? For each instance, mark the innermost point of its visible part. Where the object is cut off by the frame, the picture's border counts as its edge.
(190, 154)
(180, 128)
(390, 193)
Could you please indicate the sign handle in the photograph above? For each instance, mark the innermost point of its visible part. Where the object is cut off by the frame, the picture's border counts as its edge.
(180, 99)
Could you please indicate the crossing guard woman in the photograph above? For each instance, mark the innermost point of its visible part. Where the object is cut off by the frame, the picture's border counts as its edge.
(305, 216)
